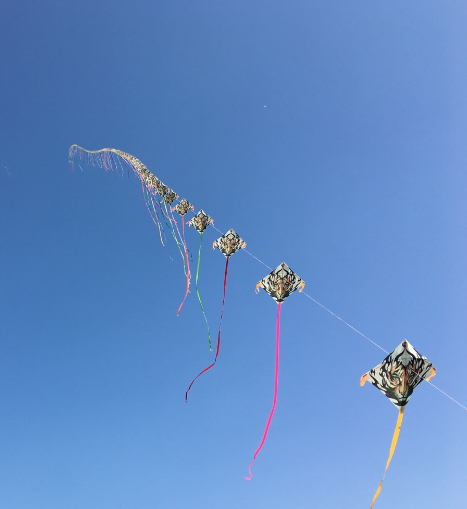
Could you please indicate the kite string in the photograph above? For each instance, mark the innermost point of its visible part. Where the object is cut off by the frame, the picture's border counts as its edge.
(447, 395)
(348, 324)
(276, 383)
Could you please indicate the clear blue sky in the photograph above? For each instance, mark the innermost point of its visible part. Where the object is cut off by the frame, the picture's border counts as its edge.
(331, 135)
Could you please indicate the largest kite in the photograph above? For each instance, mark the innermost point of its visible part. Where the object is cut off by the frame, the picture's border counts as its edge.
(396, 377)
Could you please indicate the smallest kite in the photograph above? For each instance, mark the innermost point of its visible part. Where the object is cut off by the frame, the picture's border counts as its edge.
(396, 377)
(200, 222)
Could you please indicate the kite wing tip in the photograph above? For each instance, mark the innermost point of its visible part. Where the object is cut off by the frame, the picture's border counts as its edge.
(364, 379)
(432, 374)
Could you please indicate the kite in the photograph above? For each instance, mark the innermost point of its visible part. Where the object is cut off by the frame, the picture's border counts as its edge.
(280, 283)
(200, 222)
(396, 377)
(182, 207)
(228, 244)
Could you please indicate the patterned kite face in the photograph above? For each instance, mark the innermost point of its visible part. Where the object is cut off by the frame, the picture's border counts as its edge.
(170, 196)
(399, 373)
(151, 179)
(229, 243)
(161, 188)
(144, 172)
(200, 221)
(281, 282)
(183, 206)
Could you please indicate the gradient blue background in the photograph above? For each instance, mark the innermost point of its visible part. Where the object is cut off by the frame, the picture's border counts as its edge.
(331, 135)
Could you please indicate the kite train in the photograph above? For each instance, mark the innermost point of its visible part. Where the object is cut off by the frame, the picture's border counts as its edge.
(396, 377)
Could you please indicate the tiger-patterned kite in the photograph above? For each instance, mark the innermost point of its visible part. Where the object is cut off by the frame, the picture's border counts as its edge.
(280, 283)
(200, 222)
(396, 377)
(228, 244)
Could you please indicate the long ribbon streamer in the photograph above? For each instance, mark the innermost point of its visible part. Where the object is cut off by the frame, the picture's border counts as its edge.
(172, 219)
(275, 394)
(395, 438)
(218, 334)
(148, 199)
(188, 273)
(197, 291)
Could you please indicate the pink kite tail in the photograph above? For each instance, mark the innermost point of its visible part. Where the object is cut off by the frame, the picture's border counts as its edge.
(218, 334)
(188, 274)
(275, 395)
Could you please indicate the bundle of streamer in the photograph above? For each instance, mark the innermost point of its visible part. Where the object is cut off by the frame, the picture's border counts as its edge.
(182, 207)
(200, 222)
(228, 244)
(157, 195)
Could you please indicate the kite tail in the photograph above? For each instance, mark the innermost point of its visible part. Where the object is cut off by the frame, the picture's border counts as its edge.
(218, 334)
(197, 292)
(174, 235)
(275, 394)
(168, 223)
(181, 240)
(188, 273)
(395, 438)
(153, 213)
(104, 158)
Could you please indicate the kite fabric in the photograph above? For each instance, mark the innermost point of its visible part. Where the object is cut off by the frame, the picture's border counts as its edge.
(228, 244)
(396, 377)
(182, 207)
(280, 283)
(200, 222)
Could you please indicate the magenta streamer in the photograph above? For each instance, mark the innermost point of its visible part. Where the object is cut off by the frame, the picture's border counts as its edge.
(275, 394)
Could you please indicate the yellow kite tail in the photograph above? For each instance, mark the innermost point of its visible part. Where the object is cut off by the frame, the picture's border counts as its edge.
(395, 438)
